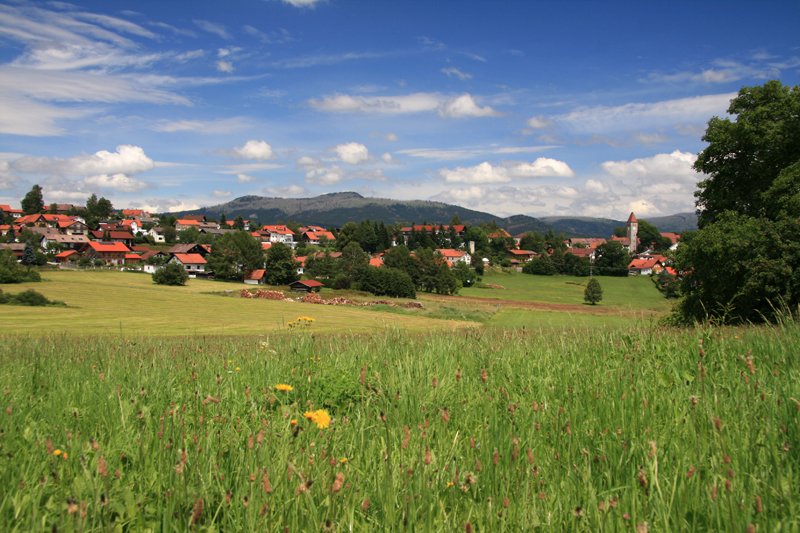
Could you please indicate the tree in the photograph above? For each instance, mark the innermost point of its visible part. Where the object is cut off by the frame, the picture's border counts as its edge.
(171, 274)
(650, 238)
(33, 202)
(612, 259)
(354, 260)
(745, 156)
(593, 293)
(541, 265)
(387, 282)
(28, 256)
(234, 254)
(534, 242)
(464, 274)
(12, 272)
(280, 264)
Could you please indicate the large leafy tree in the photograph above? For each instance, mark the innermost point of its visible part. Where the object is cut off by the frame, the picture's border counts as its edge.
(281, 265)
(234, 254)
(33, 202)
(746, 154)
(744, 262)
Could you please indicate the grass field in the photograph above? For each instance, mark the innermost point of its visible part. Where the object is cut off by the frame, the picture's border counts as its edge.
(499, 429)
(110, 302)
(141, 407)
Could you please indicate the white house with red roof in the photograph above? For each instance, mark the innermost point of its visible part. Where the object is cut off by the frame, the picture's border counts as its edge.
(453, 256)
(112, 253)
(195, 264)
(278, 233)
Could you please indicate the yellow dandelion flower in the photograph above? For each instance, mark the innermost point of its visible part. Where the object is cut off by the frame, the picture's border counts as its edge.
(305, 319)
(57, 452)
(283, 387)
(450, 484)
(320, 417)
(343, 460)
(293, 422)
(238, 369)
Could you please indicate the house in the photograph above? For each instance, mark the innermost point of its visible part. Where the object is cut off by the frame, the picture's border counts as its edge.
(452, 256)
(584, 242)
(73, 226)
(673, 238)
(135, 213)
(125, 237)
(195, 264)
(301, 264)
(376, 262)
(186, 223)
(191, 248)
(133, 225)
(256, 277)
(499, 234)
(9, 212)
(588, 253)
(67, 256)
(642, 267)
(278, 233)
(112, 253)
(317, 237)
(522, 256)
(157, 233)
(17, 248)
(306, 285)
(74, 242)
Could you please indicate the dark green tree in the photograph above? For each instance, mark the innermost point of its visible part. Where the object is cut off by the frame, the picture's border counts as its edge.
(464, 274)
(281, 265)
(541, 265)
(171, 274)
(354, 260)
(612, 259)
(28, 256)
(650, 238)
(746, 154)
(33, 201)
(234, 254)
(12, 272)
(534, 242)
(593, 293)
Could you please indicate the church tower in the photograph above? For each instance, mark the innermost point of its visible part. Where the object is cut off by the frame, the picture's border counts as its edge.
(633, 228)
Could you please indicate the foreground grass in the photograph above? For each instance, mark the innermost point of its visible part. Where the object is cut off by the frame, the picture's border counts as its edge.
(114, 303)
(499, 429)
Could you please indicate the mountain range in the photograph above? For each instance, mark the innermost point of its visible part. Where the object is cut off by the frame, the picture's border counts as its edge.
(336, 209)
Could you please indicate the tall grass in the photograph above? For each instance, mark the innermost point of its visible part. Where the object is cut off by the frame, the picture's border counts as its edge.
(498, 429)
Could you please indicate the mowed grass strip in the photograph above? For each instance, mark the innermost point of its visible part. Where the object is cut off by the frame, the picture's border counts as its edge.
(504, 430)
(109, 302)
(620, 293)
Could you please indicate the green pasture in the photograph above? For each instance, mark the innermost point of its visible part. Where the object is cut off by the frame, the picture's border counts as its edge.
(110, 302)
(482, 429)
(621, 293)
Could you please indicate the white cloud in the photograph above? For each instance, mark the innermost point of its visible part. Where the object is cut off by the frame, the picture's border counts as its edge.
(539, 123)
(387, 157)
(391, 137)
(468, 193)
(220, 194)
(207, 127)
(634, 116)
(650, 138)
(225, 66)
(453, 72)
(387, 105)
(118, 182)
(541, 167)
(254, 149)
(467, 152)
(675, 165)
(352, 153)
(127, 159)
(464, 106)
(244, 178)
(7, 178)
(284, 192)
(596, 186)
(302, 3)
(212, 27)
(487, 173)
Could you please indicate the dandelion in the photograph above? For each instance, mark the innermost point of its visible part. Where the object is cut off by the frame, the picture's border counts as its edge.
(343, 460)
(57, 452)
(320, 417)
(283, 387)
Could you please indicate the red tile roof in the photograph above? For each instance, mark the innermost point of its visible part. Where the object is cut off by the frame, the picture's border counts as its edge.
(190, 259)
(632, 219)
(641, 264)
(65, 254)
(317, 235)
(310, 283)
(449, 252)
(256, 274)
(187, 222)
(109, 247)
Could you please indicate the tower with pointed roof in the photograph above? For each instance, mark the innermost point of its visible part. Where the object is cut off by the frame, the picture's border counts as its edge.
(632, 227)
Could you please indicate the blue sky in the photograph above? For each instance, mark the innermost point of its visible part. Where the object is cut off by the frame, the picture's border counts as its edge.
(532, 107)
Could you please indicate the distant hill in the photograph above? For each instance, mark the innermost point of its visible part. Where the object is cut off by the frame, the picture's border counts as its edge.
(336, 209)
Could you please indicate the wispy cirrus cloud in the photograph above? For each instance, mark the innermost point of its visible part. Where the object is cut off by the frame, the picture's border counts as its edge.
(205, 127)
(468, 152)
(461, 106)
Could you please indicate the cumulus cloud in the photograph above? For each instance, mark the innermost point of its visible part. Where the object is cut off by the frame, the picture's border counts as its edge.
(118, 182)
(387, 157)
(127, 159)
(487, 173)
(352, 153)
(288, 191)
(220, 194)
(244, 178)
(675, 165)
(254, 149)
(464, 106)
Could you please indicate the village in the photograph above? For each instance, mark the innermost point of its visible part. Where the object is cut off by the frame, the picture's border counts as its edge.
(135, 240)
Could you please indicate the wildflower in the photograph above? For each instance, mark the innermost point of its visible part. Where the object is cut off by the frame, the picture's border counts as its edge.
(343, 460)
(57, 452)
(320, 417)
(293, 422)
(283, 387)
(238, 369)
(450, 484)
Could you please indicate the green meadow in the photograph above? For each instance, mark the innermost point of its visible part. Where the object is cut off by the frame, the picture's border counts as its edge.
(140, 408)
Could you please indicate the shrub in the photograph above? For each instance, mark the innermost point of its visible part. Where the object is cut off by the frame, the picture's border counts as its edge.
(171, 274)
(29, 297)
(387, 282)
(13, 272)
